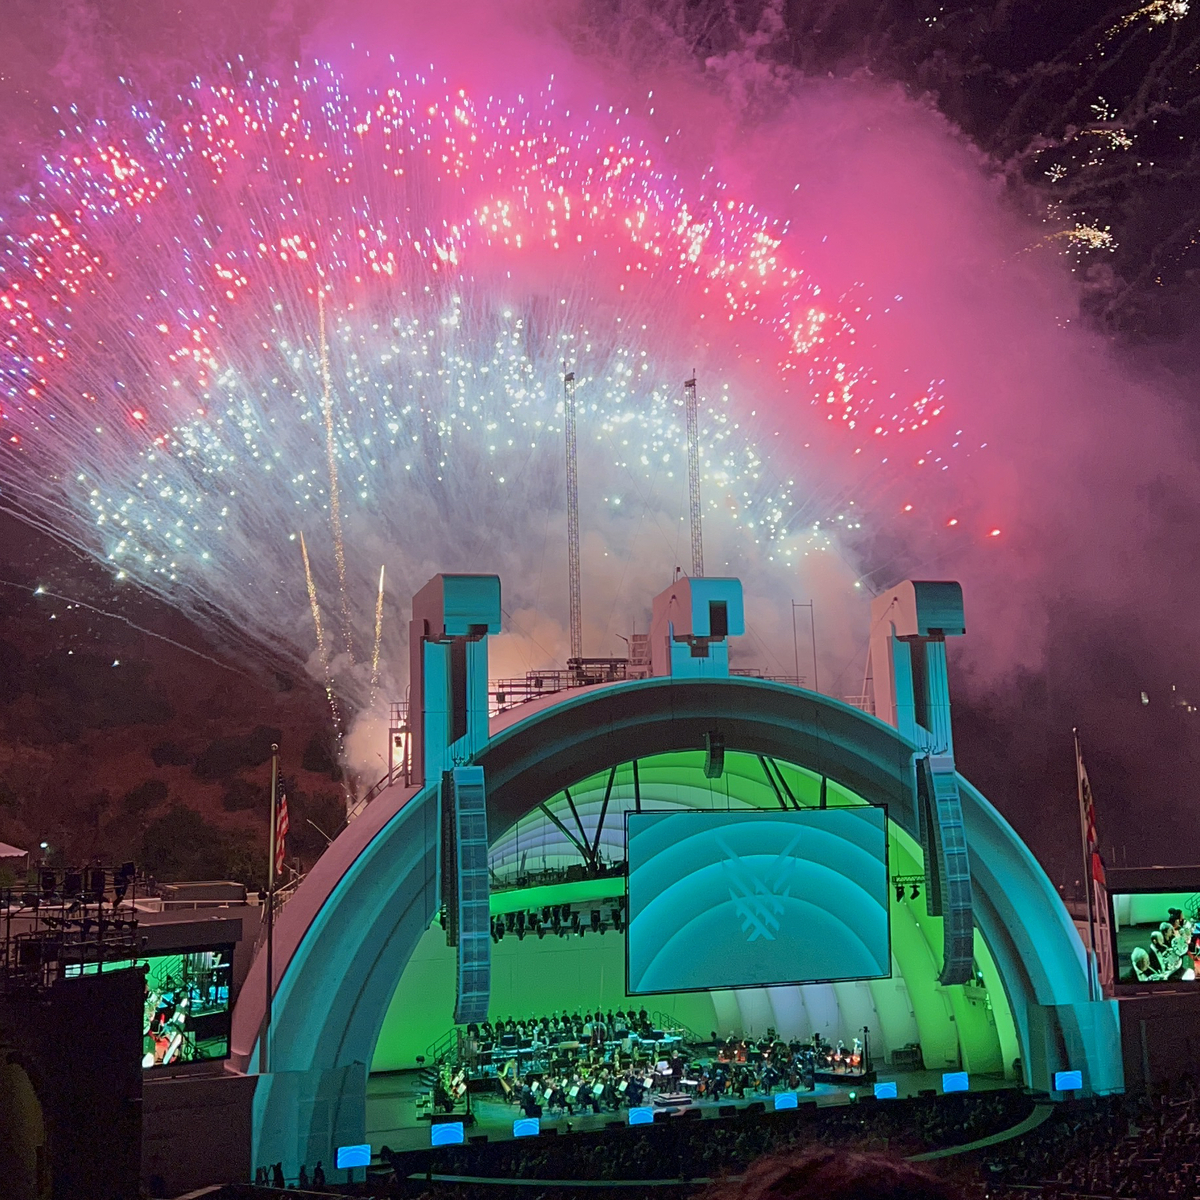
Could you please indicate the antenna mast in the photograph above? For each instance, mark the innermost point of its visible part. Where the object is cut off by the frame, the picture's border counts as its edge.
(693, 441)
(573, 519)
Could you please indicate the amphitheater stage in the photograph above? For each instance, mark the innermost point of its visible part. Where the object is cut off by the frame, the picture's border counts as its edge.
(392, 1097)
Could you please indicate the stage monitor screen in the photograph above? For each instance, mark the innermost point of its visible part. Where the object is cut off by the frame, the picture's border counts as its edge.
(187, 1008)
(752, 898)
(1156, 938)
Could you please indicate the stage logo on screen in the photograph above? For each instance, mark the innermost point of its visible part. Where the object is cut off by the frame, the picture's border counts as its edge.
(754, 898)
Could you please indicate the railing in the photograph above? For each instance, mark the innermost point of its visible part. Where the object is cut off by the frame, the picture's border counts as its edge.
(448, 1044)
(668, 1023)
(282, 896)
(398, 774)
(865, 703)
(581, 672)
(753, 673)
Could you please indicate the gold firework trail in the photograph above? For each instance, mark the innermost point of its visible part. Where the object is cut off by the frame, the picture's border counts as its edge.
(378, 639)
(321, 649)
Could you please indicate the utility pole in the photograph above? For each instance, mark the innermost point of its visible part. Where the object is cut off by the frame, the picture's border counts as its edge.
(264, 1048)
(573, 519)
(693, 441)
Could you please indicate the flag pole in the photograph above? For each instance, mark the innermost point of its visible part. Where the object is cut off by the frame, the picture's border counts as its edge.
(264, 1055)
(1087, 868)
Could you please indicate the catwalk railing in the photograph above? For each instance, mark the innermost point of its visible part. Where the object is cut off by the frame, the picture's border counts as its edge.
(65, 923)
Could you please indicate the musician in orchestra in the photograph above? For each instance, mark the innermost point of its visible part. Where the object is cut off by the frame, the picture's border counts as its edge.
(527, 1100)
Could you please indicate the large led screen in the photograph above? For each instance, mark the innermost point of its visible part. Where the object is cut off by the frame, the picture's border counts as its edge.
(1156, 937)
(744, 899)
(187, 1014)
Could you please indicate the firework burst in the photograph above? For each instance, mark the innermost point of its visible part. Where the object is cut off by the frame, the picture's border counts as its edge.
(268, 317)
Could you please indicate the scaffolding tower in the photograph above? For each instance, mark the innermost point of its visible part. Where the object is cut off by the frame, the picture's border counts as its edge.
(693, 443)
(573, 520)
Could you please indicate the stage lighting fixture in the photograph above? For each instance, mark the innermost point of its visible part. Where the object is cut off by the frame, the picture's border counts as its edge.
(47, 880)
(915, 894)
(509, 922)
(899, 892)
(595, 918)
(541, 932)
(520, 922)
(546, 913)
(123, 879)
(96, 880)
(72, 884)
(574, 921)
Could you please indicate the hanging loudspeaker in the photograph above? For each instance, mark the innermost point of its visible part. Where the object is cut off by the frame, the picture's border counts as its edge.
(714, 755)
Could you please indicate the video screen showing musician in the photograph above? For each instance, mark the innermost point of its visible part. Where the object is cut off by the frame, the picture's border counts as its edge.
(186, 1012)
(1156, 937)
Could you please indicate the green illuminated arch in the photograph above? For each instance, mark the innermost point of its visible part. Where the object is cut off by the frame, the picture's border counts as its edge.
(969, 1025)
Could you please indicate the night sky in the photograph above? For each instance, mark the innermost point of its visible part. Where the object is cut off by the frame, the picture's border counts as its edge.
(1084, 118)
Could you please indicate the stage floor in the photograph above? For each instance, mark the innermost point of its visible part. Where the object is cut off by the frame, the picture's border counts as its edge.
(392, 1106)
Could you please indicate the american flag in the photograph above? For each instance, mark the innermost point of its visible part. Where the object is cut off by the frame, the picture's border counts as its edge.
(281, 829)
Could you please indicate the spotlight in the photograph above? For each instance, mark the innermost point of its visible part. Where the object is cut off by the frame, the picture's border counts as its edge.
(916, 892)
(541, 932)
(595, 918)
(123, 879)
(73, 884)
(96, 878)
(47, 880)
(899, 892)
(509, 922)
(546, 912)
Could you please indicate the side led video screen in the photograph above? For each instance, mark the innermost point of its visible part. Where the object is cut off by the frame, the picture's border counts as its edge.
(186, 1017)
(745, 899)
(187, 1013)
(1156, 937)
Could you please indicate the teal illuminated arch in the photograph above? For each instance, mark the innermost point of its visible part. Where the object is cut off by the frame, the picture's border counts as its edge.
(344, 939)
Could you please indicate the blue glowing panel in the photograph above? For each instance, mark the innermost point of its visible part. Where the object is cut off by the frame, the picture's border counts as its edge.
(446, 1133)
(886, 1090)
(526, 1127)
(749, 899)
(641, 1116)
(955, 1081)
(785, 1100)
(353, 1156)
(1068, 1081)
